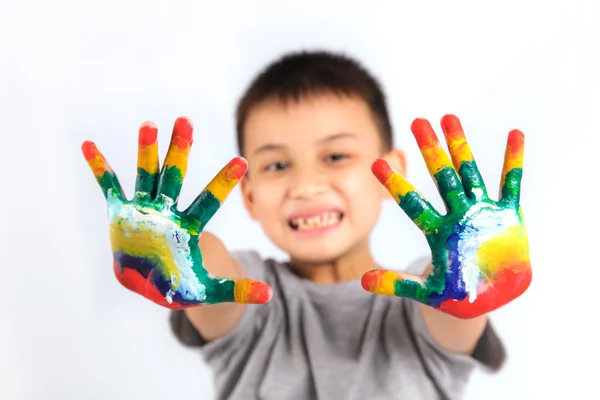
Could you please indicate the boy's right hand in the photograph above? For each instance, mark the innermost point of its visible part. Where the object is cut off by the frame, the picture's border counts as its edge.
(155, 246)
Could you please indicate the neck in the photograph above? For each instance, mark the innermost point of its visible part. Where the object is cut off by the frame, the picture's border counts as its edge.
(347, 267)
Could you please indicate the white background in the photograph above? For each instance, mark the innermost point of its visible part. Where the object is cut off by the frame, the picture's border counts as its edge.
(71, 71)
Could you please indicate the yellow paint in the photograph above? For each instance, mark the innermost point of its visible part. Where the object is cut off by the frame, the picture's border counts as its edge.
(435, 158)
(512, 159)
(242, 292)
(459, 150)
(143, 241)
(398, 186)
(222, 184)
(510, 249)
(98, 165)
(178, 157)
(385, 284)
(148, 158)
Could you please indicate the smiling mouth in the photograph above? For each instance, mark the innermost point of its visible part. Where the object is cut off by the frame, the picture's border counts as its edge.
(316, 222)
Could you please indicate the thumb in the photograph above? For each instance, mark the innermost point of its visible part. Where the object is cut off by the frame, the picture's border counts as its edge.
(244, 291)
(390, 283)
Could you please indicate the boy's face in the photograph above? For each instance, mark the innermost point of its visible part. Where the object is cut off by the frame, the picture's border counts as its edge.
(309, 180)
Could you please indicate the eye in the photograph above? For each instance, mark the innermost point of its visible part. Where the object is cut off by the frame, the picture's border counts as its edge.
(277, 166)
(336, 157)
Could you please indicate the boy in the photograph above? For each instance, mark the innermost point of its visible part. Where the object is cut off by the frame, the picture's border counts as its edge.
(311, 126)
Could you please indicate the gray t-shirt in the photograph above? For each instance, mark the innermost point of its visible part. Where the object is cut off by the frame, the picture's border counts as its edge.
(335, 342)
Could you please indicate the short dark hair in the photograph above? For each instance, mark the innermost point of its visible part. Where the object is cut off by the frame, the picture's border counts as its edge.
(300, 74)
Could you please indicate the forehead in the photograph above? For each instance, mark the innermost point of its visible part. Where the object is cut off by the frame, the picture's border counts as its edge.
(305, 121)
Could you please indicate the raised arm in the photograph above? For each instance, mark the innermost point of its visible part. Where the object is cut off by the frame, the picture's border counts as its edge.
(161, 252)
(479, 248)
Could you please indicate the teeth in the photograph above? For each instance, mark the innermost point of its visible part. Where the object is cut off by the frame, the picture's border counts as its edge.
(316, 222)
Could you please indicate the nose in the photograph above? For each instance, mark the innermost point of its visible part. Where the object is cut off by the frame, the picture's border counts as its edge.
(308, 184)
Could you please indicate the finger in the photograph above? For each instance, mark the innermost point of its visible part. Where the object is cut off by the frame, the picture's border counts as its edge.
(414, 205)
(104, 174)
(512, 171)
(245, 291)
(176, 162)
(147, 162)
(439, 166)
(214, 194)
(462, 158)
(391, 283)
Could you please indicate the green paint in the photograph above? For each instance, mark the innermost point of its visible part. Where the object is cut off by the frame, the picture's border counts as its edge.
(145, 181)
(511, 190)
(471, 179)
(451, 189)
(217, 290)
(204, 207)
(220, 291)
(435, 282)
(169, 182)
(420, 211)
(437, 230)
(110, 181)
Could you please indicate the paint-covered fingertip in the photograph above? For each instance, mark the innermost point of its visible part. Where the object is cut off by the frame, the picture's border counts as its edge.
(379, 281)
(419, 123)
(423, 132)
(369, 280)
(516, 139)
(237, 168)
(515, 145)
(148, 133)
(183, 129)
(381, 169)
(89, 149)
(248, 291)
(451, 124)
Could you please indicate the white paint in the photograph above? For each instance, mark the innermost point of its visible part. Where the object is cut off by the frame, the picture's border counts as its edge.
(482, 222)
(162, 224)
(478, 192)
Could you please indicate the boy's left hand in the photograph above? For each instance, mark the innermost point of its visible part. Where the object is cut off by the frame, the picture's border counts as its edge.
(480, 252)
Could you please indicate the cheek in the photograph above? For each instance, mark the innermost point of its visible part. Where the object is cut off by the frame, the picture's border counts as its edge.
(267, 198)
(359, 182)
(363, 192)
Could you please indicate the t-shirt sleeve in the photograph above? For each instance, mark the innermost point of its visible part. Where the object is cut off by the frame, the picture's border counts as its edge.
(187, 334)
(449, 370)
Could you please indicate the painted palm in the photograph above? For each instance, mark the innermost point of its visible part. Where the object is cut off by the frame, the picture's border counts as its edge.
(155, 246)
(480, 252)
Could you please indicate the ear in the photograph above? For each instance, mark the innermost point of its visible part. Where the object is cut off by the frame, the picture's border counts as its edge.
(245, 187)
(397, 159)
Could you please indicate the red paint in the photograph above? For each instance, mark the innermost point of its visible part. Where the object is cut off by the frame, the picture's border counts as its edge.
(237, 168)
(452, 127)
(370, 280)
(507, 286)
(89, 150)
(382, 170)
(135, 282)
(183, 131)
(259, 293)
(148, 133)
(424, 133)
(515, 142)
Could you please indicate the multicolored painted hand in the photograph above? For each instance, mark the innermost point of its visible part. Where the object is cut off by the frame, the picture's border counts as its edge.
(480, 251)
(155, 246)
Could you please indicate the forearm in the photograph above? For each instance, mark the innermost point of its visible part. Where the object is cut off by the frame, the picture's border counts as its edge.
(451, 333)
(215, 320)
